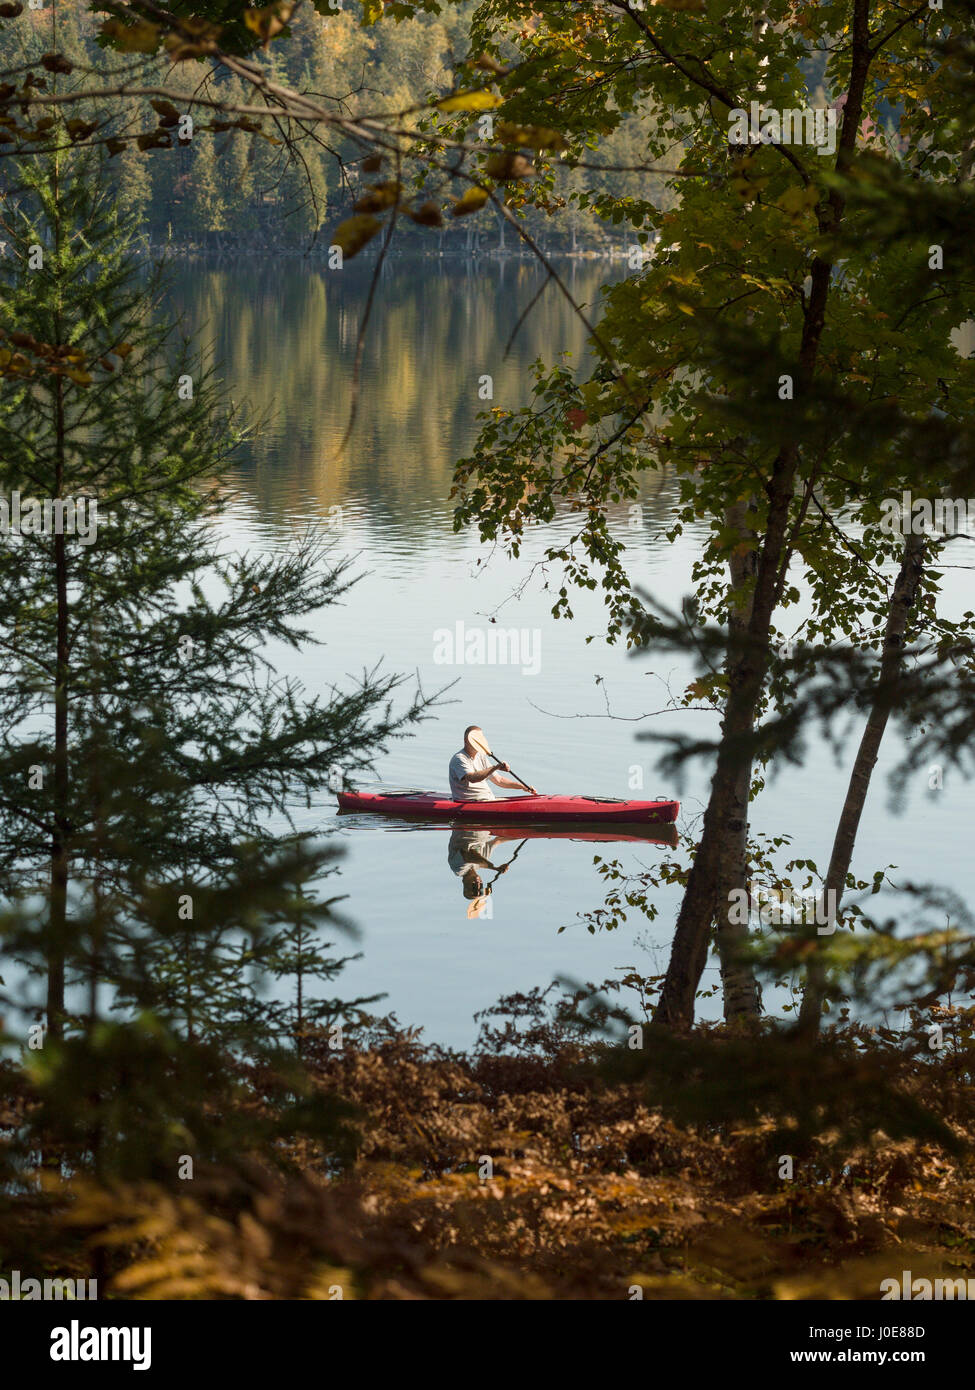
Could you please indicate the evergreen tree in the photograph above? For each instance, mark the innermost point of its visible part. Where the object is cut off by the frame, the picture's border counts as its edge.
(205, 206)
(151, 759)
(134, 185)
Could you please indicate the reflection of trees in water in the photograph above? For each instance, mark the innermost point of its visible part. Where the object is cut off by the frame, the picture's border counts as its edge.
(286, 336)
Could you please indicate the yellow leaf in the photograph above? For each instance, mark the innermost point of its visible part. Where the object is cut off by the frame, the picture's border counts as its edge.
(79, 129)
(202, 39)
(371, 11)
(153, 140)
(470, 101)
(379, 197)
(140, 37)
(509, 166)
(427, 215)
(55, 62)
(270, 20)
(536, 137)
(352, 234)
(472, 201)
(798, 201)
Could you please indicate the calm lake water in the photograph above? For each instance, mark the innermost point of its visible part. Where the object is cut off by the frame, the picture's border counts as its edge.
(285, 335)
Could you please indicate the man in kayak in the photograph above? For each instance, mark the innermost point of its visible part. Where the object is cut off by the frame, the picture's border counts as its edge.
(471, 770)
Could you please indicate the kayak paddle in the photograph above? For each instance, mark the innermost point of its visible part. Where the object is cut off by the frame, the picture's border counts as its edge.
(510, 861)
(482, 745)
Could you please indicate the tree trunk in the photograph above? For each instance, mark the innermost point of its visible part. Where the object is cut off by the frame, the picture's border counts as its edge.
(59, 837)
(741, 993)
(749, 658)
(901, 606)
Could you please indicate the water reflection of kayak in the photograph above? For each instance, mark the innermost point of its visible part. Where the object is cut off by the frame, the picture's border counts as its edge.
(649, 834)
(529, 810)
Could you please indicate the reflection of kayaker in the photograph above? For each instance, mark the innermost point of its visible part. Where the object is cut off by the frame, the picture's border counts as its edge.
(468, 852)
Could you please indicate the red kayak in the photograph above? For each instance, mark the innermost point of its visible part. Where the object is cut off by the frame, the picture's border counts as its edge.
(509, 809)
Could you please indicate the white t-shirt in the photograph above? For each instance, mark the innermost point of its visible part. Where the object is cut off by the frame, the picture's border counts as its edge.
(462, 843)
(460, 766)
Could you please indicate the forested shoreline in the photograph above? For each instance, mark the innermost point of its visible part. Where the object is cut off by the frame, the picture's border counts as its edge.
(228, 192)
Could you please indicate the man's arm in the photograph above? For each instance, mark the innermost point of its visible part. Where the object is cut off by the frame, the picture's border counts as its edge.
(503, 781)
(470, 777)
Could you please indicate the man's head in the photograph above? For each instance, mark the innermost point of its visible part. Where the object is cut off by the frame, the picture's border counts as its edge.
(478, 733)
(473, 884)
(477, 893)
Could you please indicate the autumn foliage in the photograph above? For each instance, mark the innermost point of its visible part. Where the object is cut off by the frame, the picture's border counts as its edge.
(595, 1189)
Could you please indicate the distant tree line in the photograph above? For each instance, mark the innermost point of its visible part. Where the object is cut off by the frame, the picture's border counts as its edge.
(232, 189)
